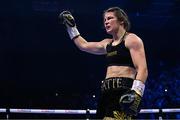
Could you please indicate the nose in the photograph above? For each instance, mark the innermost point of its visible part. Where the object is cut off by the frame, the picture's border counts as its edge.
(106, 22)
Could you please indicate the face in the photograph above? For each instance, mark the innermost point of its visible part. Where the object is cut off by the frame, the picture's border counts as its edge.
(111, 23)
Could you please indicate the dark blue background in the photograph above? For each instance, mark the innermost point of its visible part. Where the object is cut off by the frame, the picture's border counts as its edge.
(40, 67)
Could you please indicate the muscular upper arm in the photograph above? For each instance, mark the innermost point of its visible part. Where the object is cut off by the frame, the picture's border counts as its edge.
(136, 47)
(97, 48)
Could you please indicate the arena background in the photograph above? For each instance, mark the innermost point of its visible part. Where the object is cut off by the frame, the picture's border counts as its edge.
(40, 67)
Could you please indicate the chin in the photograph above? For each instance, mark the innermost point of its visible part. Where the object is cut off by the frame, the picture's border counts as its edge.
(109, 32)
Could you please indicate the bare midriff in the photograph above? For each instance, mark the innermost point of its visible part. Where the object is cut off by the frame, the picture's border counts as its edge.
(120, 71)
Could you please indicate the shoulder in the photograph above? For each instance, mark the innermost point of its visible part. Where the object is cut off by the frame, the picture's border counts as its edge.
(133, 41)
(106, 41)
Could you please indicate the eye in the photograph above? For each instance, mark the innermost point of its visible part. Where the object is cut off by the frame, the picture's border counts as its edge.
(109, 18)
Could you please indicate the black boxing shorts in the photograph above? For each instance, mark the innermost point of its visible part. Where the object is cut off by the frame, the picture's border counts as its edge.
(111, 91)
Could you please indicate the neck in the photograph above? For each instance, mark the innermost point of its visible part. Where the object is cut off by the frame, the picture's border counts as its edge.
(118, 36)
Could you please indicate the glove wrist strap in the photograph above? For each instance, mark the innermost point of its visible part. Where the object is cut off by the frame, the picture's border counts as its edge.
(138, 86)
(73, 32)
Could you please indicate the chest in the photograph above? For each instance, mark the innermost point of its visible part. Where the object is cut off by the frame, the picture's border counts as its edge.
(117, 50)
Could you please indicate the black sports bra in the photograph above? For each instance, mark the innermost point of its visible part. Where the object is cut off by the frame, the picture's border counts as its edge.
(118, 55)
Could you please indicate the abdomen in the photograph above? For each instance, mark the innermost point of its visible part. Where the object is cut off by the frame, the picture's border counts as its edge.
(121, 71)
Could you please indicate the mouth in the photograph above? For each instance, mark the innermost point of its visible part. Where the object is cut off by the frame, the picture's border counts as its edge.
(107, 27)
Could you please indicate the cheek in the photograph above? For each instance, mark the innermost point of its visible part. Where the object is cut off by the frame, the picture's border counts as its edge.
(115, 25)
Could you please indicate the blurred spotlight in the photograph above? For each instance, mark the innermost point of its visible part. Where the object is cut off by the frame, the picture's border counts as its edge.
(56, 94)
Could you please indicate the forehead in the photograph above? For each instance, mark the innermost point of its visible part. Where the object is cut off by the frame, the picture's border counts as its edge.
(108, 14)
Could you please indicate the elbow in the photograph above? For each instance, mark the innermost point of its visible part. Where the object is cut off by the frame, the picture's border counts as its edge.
(146, 73)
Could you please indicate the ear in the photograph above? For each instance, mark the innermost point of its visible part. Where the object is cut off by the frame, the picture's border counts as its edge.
(121, 22)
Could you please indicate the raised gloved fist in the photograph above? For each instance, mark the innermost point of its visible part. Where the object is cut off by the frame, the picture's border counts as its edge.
(130, 102)
(67, 18)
